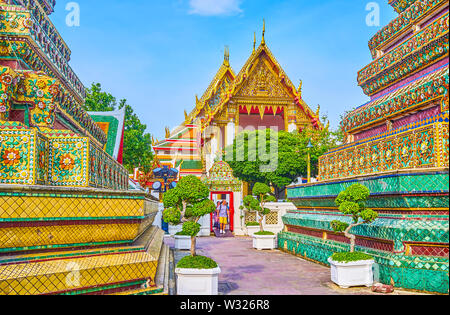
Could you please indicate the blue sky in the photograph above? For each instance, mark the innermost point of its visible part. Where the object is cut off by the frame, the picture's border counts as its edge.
(158, 54)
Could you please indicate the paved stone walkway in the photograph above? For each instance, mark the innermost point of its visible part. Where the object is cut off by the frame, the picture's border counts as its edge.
(246, 271)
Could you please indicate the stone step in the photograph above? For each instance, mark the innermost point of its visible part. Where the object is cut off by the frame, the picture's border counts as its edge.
(163, 270)
(156, 242)
(144, 291)
(171, 280)
(146, 237)
(87, 271)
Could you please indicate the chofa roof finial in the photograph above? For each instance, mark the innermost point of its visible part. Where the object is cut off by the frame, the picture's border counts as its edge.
(263, 41)
(226, 60)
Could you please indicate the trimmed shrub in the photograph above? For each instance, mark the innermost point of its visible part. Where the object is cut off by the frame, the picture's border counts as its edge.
(196, 262)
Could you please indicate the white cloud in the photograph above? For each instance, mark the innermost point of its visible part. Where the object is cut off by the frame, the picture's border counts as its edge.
(214, 7)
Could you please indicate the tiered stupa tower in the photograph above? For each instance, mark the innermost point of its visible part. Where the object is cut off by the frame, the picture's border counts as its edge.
(68, 224)
(397, 145)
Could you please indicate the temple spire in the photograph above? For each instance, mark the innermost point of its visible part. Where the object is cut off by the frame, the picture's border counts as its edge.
(226, 60)
(300, 88)
(263, 40)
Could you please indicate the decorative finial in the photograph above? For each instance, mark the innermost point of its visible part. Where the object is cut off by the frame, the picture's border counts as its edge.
(254, 41)
(167, 132)
(226, 60)
(318, 110)
(186, 116)
(300, 86)
(263, 41)
(197, 101)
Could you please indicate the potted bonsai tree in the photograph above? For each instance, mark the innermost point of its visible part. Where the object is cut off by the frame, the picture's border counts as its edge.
(187, 203)
(352, 268)
(248, 204)
(261, 239)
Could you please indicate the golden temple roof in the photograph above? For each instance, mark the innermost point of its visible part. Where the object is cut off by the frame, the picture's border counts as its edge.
(237, 81)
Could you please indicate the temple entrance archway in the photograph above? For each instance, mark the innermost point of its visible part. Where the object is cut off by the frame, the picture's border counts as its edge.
(224, 186)
(217, 196)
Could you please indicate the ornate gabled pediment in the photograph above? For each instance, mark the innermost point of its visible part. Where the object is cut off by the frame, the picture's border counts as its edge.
(220, 92)
(214, 94)
(262, 81)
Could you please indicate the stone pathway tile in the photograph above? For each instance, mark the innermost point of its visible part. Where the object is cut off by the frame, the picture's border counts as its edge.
(246, 271)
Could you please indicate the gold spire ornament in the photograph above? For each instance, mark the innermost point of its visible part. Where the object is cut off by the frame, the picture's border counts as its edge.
(300, 87)
(263, 40)
(226, 60)
(167, 132)
(254, 42)
(197, 101)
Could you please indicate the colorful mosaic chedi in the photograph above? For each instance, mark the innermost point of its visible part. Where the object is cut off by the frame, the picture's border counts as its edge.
(221, 178)
(397, 146)
(68, 223)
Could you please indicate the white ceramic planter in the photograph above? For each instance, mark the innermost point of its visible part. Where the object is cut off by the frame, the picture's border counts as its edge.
(252, 230)
(182, 242)
(261, 242)
(197, 281)
(174, 229)
(205, 225)
(352, 274)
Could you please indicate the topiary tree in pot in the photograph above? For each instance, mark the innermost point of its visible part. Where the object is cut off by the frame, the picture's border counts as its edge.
(186, 204)
(263, 195)
(257, 203)
(250, 204)
(352, 202)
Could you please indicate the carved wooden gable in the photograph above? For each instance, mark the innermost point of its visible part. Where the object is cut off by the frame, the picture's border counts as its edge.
(262, 81)
(221, 91)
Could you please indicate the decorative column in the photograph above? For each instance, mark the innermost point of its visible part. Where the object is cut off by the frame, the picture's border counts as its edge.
(236, 119)
(7, 84)
(230, 133)
(213, 153)
(41, 92)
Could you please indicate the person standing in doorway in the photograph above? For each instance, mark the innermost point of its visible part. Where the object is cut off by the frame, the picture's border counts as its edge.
(224, 214)
(216, 215)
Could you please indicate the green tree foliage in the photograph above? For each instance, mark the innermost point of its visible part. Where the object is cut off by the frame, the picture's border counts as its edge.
(263, 195)
(99, 101)
(322, 140)
(352, 202)
(186, 204)
(291, 155)
(137, 144)
(196, 262)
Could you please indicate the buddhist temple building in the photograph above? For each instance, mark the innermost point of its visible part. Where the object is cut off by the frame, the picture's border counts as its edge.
(68, 223)
(397, 145)
(260, 96)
